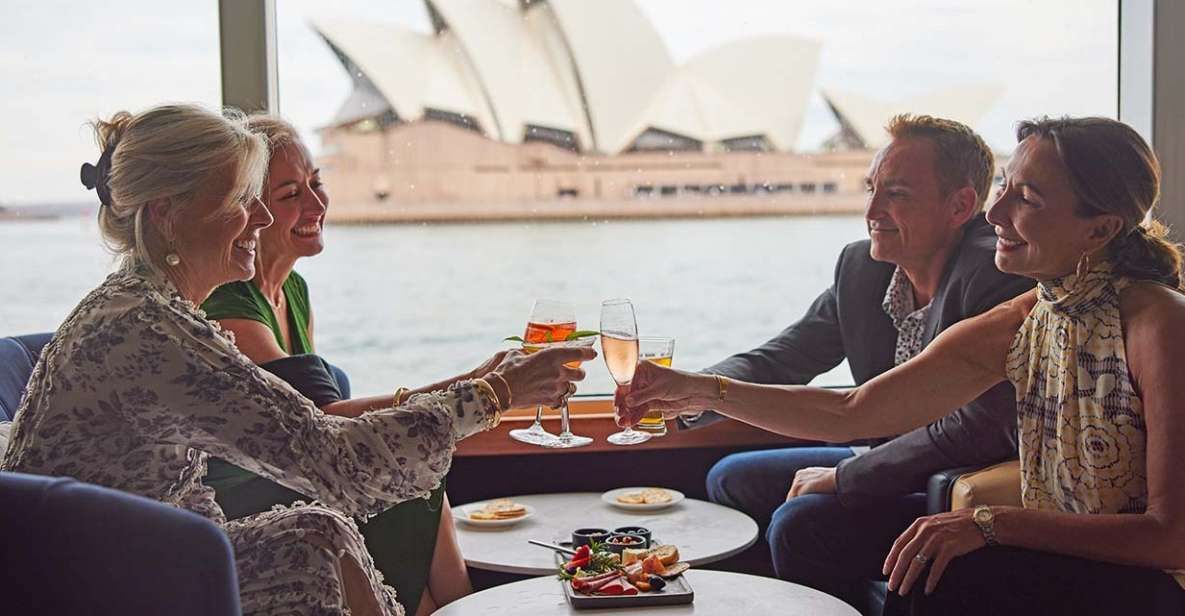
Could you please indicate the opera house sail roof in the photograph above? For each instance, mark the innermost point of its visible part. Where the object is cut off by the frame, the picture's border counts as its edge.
(588, 76)
(575, 109)
(862, 119)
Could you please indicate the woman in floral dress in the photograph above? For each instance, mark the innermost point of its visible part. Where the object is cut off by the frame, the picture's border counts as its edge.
(138, 388)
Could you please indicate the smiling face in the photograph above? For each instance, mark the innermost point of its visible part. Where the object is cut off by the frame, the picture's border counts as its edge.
(296, 198)
(909, 220)
(1041, 234)
(217, 234)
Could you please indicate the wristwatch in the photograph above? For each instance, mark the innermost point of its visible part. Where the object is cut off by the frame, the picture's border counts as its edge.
(983, 518)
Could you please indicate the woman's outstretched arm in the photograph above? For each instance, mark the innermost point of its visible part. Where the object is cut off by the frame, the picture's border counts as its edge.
(258, 343)
(961, 363)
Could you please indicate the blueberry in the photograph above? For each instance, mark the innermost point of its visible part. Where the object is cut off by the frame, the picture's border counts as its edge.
(656, 582)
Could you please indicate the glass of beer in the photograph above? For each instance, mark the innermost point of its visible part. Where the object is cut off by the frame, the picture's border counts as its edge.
(661, 351)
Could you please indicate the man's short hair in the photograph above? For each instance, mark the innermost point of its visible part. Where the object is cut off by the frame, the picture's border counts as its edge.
(961, 157)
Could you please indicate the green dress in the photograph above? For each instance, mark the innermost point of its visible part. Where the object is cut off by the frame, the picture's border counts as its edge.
(401, 539)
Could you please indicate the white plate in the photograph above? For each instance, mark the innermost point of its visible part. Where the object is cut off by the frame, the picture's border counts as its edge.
(611, 498)
(465, 509)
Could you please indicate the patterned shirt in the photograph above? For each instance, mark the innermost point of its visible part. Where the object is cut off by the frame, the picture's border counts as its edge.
(137, 388)
(1081, 423)
(910, 322)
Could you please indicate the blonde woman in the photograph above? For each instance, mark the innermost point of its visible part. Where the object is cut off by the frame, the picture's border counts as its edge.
(414, 543)
(138, 388)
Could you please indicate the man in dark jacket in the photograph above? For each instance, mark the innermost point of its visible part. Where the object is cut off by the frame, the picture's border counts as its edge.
(832, 513)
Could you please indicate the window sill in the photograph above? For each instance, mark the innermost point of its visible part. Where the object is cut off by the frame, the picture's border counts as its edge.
(593, 417)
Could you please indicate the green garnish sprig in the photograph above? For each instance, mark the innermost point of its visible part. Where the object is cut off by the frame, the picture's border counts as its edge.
(599, 561)
(580, 333)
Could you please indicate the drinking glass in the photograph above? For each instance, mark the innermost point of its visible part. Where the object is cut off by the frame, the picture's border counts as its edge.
(550, 321)
(565, 439)
(661, 351)
(619, 342)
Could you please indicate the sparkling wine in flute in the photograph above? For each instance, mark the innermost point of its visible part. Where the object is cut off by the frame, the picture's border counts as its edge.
(621, 356)
(619, 342)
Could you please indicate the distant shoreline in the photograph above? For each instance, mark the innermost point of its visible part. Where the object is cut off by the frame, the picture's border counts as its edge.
(43, 211)
(577, 210)
(562, 210)
(23, 216)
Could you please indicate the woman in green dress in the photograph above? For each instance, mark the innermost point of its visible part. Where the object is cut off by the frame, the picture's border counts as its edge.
(414, 543)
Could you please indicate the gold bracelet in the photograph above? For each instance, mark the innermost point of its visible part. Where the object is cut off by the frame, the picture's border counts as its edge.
(400, 394)
(482, 386)
(721, 387)
(509, 394)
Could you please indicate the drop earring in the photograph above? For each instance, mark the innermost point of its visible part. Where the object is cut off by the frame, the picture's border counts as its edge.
(1083, 265)
(172, 258)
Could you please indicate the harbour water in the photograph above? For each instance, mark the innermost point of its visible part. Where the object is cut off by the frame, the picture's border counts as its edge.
(403, 305)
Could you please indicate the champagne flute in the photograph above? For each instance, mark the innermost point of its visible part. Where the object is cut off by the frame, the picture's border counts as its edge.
(619, 341)
(659, 351)
(550, 321)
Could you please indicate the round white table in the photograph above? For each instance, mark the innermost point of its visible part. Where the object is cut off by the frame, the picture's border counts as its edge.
(704, 532)
(716, 592)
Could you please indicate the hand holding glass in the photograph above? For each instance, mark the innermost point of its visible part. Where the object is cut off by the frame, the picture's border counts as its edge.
(550, 321)
(619, 342)
(659, 351)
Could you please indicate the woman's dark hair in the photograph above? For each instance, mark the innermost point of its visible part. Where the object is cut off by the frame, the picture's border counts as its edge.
(1113, 171)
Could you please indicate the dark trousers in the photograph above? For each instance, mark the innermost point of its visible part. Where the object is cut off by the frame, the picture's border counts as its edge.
(1013, 581)
(814, 539)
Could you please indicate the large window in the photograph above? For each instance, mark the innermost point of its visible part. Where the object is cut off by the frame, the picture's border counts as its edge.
(702, 158)
(446, 223)
(62, 65)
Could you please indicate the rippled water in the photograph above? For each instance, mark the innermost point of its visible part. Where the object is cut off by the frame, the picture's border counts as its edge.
(405, 305)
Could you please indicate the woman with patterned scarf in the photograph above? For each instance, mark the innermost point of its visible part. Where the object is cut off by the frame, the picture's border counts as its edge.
(1092, 353)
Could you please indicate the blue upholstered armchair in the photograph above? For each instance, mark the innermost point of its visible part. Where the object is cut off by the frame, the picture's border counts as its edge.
(75, 548)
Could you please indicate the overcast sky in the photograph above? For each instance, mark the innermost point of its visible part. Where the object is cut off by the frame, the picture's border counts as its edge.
(63, 62)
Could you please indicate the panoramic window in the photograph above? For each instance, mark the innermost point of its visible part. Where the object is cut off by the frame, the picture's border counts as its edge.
(704, 159)
(64, 64)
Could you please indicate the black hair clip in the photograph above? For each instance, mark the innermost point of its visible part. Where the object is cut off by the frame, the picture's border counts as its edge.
(94, 177)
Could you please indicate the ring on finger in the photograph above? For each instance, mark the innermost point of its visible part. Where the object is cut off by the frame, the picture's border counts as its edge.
(922, 558)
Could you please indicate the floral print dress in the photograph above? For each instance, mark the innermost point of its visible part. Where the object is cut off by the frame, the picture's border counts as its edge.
(137, 388)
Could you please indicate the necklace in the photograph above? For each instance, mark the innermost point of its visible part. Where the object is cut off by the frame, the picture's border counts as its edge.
(275, 305)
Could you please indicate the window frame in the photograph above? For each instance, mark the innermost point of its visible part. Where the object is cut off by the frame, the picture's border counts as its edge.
(1151, 82)
(1151, 86)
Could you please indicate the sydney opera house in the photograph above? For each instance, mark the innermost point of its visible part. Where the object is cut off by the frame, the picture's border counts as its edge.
(571, 108)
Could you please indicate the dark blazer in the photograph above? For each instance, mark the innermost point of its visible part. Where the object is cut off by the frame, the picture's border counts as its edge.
(848, 321)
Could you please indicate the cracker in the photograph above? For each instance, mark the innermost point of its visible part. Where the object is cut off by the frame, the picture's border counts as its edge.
(647, 496)
(631, 498)
(653, 496)
(500, 509)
